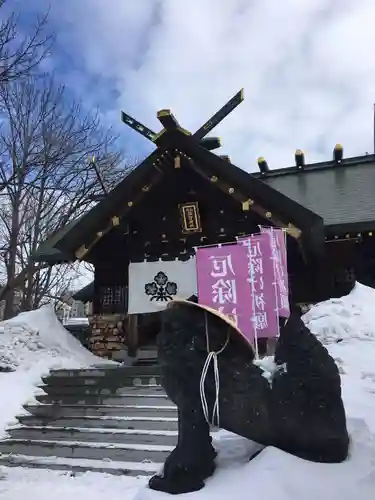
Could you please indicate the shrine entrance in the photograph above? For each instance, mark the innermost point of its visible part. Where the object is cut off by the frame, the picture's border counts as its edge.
(146, 329)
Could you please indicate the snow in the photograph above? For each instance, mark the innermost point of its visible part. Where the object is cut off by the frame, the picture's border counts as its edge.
(41, 485)
(143, 418)
(76, 321)
(30, 345)
(347, 327)
(269, 367)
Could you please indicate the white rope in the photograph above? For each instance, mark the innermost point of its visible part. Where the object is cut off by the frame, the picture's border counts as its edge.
(211, 356)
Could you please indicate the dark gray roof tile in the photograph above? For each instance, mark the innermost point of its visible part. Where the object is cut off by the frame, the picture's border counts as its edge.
(340, 194)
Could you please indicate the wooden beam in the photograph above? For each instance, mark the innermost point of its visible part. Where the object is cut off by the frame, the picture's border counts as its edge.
(137, 126)
(85, 249)
(81, 252)
(210, 143)
(225, 158)
(132, 334)
(167, 119)
(219, 116)
(293, 231)
(158, 135)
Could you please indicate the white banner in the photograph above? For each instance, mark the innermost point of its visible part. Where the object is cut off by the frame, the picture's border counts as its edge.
(153, 284)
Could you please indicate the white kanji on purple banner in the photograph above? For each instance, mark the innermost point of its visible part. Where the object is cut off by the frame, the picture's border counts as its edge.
(279, 255)
(223, 283)
(262, 285)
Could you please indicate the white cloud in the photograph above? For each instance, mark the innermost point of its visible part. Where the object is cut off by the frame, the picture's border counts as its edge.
(307, 68)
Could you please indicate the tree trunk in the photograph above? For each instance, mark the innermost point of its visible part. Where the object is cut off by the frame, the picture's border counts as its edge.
(9, 309)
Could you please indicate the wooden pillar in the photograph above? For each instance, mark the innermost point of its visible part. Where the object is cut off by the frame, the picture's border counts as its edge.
(132, 334)
(316, 259)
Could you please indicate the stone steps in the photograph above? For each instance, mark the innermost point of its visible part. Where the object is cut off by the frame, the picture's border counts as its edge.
(134, 422)
(126, 400)
(104, 382)
(116, 377)
(145, 362)
(85, 465)
(92, 435)
(100, 410)
(108, 371)
(97, 451)
(113, 420)
(71, 390)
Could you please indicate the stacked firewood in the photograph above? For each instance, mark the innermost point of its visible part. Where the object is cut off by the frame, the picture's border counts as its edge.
(108, 336)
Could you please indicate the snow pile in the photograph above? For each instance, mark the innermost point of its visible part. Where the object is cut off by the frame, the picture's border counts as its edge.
(347, 327)
(30, 345)
(36, 336)
(275, 475)
(346, 319)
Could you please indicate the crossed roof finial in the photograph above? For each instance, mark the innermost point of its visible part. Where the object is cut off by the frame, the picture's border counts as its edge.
(169, 122)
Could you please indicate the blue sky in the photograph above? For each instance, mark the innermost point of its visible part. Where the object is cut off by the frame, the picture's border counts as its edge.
(306, 67)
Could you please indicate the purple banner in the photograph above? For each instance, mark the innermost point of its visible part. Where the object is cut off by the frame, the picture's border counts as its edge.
(263, 288)
(278, 247)
(223, 284)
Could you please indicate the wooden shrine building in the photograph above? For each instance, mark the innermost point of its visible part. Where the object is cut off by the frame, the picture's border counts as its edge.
(183, 195)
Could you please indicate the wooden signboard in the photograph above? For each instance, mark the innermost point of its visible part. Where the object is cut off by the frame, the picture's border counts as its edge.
(190, 218)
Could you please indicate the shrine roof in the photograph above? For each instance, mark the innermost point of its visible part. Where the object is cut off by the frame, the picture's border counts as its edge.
(47, 251)
(85, 294)
(53, 252)
(130, 191)
(341, 193)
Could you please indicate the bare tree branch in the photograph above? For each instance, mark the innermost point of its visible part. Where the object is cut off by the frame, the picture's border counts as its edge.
(20, 55)
(47, 142)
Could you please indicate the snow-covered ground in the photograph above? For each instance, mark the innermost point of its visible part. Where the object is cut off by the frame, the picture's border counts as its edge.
(346, 326)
